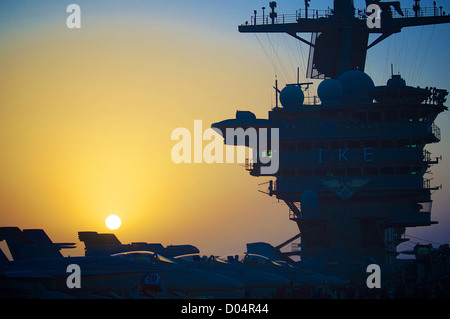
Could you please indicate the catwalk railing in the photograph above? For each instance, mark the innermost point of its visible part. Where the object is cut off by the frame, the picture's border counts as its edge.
(264, 18)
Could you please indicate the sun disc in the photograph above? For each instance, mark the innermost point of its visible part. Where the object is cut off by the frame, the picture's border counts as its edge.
(113, 222)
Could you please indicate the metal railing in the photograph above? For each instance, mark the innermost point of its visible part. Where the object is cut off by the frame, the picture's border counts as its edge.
(295, 246)
(435, 130)
(426, 183)
(264, 18)
(426, 156)
(292, 214)
(423, 12)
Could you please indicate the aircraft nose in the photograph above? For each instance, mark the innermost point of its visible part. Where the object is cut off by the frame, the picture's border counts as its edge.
(200, 280)
(222, 282)
(260, 279)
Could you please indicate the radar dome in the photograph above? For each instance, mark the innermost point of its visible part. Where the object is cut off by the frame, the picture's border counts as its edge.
(330, 91)
(309, 199)
(291, 97)
(356, 85)
(396, 82)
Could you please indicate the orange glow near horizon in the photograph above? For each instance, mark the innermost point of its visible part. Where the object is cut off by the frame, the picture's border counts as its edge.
(86, 118)
(86, 124)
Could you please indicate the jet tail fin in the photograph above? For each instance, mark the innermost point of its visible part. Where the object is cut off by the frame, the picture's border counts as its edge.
(31, 243)
(3, 258)
(100, 244)
(15, 241)
(39, 236)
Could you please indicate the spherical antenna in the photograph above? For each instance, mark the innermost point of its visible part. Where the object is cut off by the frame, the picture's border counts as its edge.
(396, 82)
(330, 91)
(356, 87)
(291, 97)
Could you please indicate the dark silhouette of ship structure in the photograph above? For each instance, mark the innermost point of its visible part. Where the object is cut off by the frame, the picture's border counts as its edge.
(351, 168)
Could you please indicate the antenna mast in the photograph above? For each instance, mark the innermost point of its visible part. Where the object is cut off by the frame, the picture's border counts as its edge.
(346, 33)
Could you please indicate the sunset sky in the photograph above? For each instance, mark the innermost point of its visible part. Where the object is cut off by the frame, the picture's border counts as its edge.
(86, 117)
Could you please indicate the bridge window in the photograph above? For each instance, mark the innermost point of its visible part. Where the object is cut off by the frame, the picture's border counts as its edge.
(290, 146)
(304, 173)
(354, 144)
(404, 170)
(391, 116)
(361, 117)
(320, 144)
(287, 146)
(375, 117)
(304, 145)
(354, 171)
(289, 173)
(387, 143)
(320, 172)
(387, 171)
(336, 144)
(402, 142)
(337, 172)
(370, 143)
(370, 171)
(408, 116)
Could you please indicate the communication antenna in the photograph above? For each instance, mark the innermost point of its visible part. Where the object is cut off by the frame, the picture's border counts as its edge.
(273, 15)
(276, 91)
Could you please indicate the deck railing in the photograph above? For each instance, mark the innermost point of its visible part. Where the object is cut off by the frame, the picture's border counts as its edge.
(426, 156)
(264, 18)
(435, 130)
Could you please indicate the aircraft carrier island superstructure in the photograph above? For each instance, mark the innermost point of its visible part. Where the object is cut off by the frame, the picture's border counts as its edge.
(352, 166)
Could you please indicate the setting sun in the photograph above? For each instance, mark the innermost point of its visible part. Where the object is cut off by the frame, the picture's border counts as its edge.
(113, 222)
